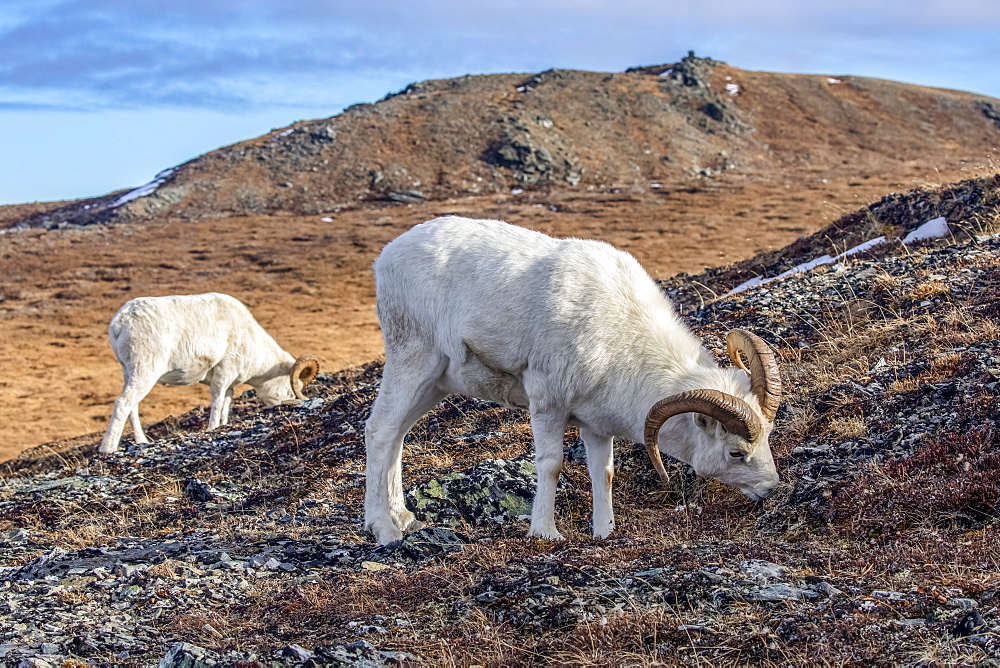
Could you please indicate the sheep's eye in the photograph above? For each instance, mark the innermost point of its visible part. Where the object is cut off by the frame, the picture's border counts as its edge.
(736, 454)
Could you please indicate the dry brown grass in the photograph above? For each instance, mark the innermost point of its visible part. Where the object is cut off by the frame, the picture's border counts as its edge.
(848, 427)
(927, 290)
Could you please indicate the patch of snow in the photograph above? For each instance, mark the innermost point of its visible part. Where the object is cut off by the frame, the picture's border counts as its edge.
(142, 191)
(746, 285)
(16, 228)
(655, 185)
(667, 73)
(516, 191)
(804, 267)
(860, 248)
(732, 89)
(932, 229)
(831, 80)
(521, 89)
(326, 219)
(284, 133)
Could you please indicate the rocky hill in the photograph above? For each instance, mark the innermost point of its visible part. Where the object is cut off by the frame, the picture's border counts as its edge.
(690, 165)
(243, 546)
(560, 129)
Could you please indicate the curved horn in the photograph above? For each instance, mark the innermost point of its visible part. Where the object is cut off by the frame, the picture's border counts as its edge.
(733, 413)
(765, 380)
(303, 372)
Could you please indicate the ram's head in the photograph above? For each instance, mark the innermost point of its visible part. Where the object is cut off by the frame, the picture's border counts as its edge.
(731, 431)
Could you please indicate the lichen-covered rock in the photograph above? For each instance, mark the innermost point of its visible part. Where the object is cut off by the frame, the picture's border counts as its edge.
(497, 491)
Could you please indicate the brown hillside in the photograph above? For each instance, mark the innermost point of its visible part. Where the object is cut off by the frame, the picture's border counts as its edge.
(487, 134)
(290, 222)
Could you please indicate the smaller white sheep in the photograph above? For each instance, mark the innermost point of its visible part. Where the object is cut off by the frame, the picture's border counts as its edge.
(186, 339)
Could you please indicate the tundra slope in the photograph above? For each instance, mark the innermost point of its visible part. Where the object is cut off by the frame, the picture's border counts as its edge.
(576, 332)
(885, 545)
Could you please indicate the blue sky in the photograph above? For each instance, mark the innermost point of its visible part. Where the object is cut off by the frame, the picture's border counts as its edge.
(97, 95)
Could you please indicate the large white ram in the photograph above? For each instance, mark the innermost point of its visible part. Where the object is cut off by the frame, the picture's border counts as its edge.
(576, 332)
(186, 339)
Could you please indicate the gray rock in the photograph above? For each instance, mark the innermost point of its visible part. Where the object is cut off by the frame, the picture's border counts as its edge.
(421, 545)
(186, 655)
(196, 490)
(34, 662)
(16, 536)
(406, 196)
(360, 654)
(296, 652)
(782, 592)
(762, 571)
(969, 624)
(963, 603)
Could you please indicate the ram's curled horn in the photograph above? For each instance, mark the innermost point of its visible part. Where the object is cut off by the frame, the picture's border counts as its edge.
(765, 380)
(735, 415)
(303, 372)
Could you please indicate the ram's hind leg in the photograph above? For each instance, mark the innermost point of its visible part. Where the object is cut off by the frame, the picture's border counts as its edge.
(601, 465)
(137, 433)
(136, 388)
(407, 392)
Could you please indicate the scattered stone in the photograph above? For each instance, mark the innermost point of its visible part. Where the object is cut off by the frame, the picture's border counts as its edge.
(762, 571)
(963, 603)
(971, 623)
(420, 545)
(361, 654)
(782, 592)
(16, 536)
(196, 490)
(406, 196)
(186, 655)
(296, 653)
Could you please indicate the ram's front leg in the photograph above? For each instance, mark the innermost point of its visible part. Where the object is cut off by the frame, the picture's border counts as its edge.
(548, 435)
(601, 465)
(222, 396)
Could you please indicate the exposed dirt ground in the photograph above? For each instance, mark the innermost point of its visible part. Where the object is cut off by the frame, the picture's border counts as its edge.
(308, 281)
